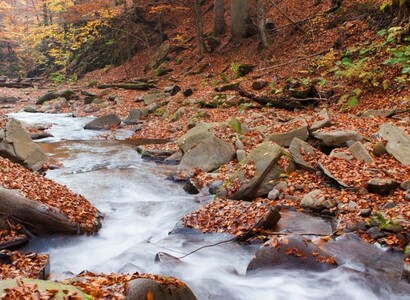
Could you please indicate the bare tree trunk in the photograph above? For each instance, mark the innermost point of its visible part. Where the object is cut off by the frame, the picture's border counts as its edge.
(45, 13)
(219, 17)
(263, 34)
(199, 26)
(239, 18)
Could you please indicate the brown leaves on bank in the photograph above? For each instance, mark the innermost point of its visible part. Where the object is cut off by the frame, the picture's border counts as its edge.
(37, 188)
(29, 265)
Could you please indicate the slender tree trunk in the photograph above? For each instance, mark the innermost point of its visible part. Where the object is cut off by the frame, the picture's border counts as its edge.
(263, 34)
(199, 26)
(239, 18)
(219, 17)
(45, 13)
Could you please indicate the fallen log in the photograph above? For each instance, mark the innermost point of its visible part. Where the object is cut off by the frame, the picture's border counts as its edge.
(265, 100)
(127, 86)
(38, 218)
(16, 85)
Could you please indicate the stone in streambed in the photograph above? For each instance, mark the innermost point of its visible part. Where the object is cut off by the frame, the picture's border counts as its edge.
(337, 138)
(103, 122)
(360, 152)
(381, 186)
(291, 252)
(285, 139)
(316, 200)
(324, 121)
(133, 117)
(296, 148)
(139, 289)
(398, 142)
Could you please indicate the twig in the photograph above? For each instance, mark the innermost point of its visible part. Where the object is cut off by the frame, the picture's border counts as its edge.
(287, 17)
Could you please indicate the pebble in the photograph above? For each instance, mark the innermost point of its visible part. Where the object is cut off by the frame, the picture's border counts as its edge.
(273, 194)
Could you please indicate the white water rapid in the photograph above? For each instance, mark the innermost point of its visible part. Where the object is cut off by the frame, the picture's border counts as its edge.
(141, 208)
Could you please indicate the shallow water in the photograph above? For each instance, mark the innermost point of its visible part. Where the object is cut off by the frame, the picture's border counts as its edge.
(141, 207)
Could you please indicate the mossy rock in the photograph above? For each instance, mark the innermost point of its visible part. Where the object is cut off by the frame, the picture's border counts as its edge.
(47, 97)
(242, 69)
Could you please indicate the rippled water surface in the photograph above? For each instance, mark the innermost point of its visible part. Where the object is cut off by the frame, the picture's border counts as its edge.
(141, 207)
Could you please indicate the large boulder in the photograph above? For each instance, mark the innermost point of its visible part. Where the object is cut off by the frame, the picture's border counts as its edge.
(398, 142)
(103, 122)
(291, 252)
(285, 139)
(17, 145)
(195, 136)
(145, 288)
(298, 148)
(264, 172)
(208, 155)
(337, 138)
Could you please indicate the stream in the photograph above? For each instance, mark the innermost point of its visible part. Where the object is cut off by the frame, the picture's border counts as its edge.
(141, 207)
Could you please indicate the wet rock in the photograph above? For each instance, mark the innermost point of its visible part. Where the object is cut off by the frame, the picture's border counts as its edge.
(316, 200)
(138, 289)
(302, 223)
(103, 122)
(174, 159)
(16, 145)
(296, 148)
(285, 139)
(337, 138)
(360, 152)
(375, 233)
(208, 155)
(165, 258)
(155, 155)
(62, 289)
(191, 188)
(133, 117)
(379, 149)
(270, 219)
(259, 84)
(324, 121)
(398, 142)
(381, 186)
(291, 252)
(264, 157)
(215, 186)
(172, 90)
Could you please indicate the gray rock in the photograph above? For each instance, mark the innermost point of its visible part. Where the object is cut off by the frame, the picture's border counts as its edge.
(381, 186)
(138, 289)
(191, 188)
(398, 142)
(133, 117)
(330, 175)
(337, 138)
(407, 196)
(387, 113)
(151, 98)
(360, 152)
(316, 200)
(8, 99)
(285, 139)
(54, 106)
(365, 212)
(174, 159)
(195, 136)
(103, 122)
(341, 155)
(17, 146)
(375, 232)
(282, 185)
(324, 121)
(273, 194)
(291, 252)
(87, 93)
(264, 157)
(215, 186)
(178, 114)
(208, 155)
(172, 90)
(47, 97)
(239, 144)
(296, 148)
(240, 155)
(405, 185)
(30, 109)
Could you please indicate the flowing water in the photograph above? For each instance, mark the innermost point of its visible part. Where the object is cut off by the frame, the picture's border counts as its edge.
(141, 207)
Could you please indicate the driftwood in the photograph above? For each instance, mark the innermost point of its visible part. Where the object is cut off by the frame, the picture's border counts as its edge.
(265, 100)
(36, 217)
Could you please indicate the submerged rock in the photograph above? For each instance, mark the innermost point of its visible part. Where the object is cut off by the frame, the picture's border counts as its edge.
(291, 252)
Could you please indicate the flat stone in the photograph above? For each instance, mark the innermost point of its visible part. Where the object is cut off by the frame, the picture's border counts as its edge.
(337, 138)
(285, 139)
(103, 122)
(385, 113)
(398, 142)
(296, 148)
(133, 117)
(322, 122)
(315, 200)
(151, 98)
(360, 152)
(405, 185)
(195, 136)
(330, 175)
